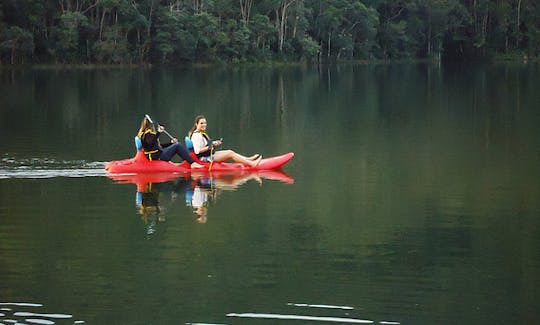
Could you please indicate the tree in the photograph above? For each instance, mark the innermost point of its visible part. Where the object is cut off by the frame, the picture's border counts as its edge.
(343, 28)
(122, 30)
(171, 39)
(281, 10)
(67, 34)
(530, 28)
(360, 25)
(204, 27)
(480, 18)
(17, 40)
(331, 17)
(504, 28)
(245, 10)
(262, 32)
(138, 24)
(437, 18)
(311, 49)
(238, 37)
(392, 38)
(81, 6)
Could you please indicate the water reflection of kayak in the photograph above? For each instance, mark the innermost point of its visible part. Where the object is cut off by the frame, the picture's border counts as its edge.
(143, 179)
(140, 164)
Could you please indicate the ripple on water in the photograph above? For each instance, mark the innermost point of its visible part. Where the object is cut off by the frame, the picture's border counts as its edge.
(24, 304)
(14, 315)
(335, 319)
(302, 317)
(50, 173)
(320, 306)
(26, 314)
(39, 321)
(47, 168)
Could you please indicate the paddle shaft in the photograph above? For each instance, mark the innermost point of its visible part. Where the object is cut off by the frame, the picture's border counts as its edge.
(164, 131)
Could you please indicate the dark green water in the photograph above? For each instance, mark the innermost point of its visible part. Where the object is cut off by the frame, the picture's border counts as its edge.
(416, 197)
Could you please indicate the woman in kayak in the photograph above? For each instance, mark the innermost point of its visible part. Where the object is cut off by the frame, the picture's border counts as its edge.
(204, 147)
(153, 150)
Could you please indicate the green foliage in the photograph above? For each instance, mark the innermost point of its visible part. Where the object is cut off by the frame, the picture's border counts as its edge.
(111, 49)
(67, 35)
(16, 40)
(155, 31)
(530, 28)
(311, 49)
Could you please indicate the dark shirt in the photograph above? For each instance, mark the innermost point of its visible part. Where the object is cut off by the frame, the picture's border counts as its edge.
(151, 145)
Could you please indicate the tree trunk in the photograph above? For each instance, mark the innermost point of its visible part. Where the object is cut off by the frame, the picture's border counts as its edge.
(281, 17)
(245, 10)
(139, 46)
(328, 45)
(101, 24)
(484, 30)
(62, 6)
(13, 55)
(518, 23)
(282, 28)
(295, 29)
(146, 46)
(429, 42)
(197, 6)
(428, 36)
(150, 19)
(474, 14)
(88, 50)
(353, 47)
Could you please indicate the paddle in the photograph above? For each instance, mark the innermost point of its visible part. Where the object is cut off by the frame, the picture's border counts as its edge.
(156, 123)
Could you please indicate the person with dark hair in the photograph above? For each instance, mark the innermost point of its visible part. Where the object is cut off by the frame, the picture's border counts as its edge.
(153, 149)
(205, 148)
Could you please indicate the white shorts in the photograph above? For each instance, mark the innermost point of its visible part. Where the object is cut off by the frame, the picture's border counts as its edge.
(207, 158)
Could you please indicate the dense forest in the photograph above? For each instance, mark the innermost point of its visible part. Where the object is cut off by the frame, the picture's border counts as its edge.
(206, 31)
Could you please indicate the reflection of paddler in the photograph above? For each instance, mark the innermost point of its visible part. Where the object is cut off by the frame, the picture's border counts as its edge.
(199, 202)
(197, 196)
(198, 192)
(148, 202)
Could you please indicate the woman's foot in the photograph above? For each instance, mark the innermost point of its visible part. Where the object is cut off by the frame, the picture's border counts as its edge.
(257, 161)
(254, 157)
(196, 165)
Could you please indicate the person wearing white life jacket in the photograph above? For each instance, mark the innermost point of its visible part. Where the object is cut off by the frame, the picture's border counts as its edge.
(205, 148)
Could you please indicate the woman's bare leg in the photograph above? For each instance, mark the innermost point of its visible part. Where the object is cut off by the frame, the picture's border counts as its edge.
(224, 155)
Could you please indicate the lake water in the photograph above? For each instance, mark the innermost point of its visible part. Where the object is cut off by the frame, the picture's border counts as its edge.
(413, 197)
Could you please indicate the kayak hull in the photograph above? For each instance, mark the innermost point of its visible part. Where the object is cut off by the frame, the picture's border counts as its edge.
(140, 164)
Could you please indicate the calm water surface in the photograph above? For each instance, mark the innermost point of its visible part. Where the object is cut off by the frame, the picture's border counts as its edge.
(413, 198)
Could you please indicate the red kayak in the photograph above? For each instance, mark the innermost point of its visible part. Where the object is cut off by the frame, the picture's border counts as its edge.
(140, 164)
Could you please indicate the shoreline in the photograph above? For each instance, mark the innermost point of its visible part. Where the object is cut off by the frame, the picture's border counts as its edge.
(268, 64)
